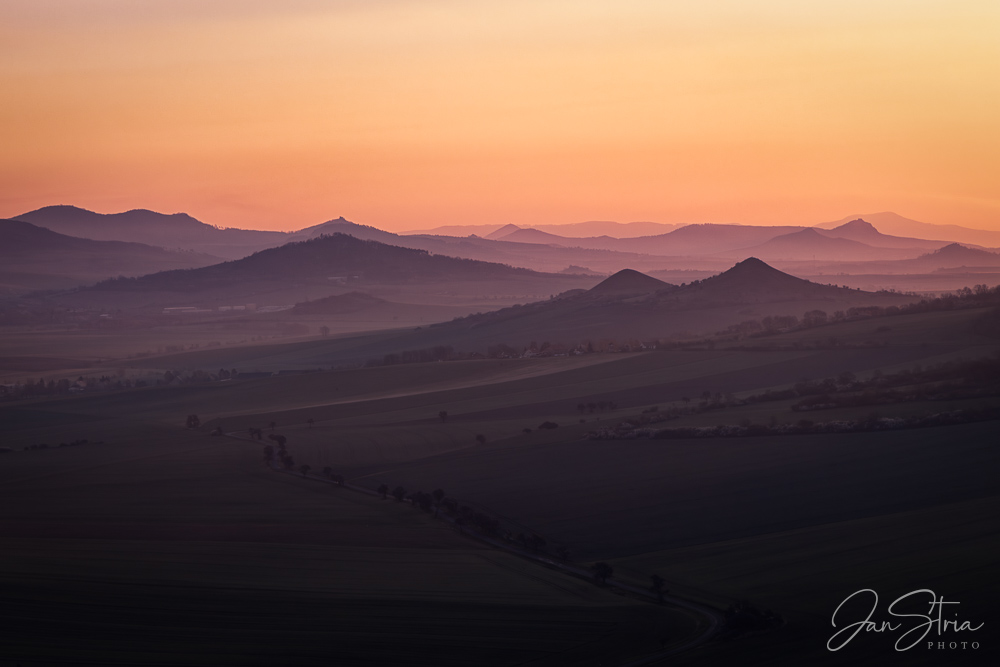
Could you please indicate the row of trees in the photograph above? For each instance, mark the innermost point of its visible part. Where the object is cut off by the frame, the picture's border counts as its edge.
(463, 516)
(596, 406)
(974, 297)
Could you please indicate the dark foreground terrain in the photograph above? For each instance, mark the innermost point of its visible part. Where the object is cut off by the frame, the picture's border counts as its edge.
(767, 478)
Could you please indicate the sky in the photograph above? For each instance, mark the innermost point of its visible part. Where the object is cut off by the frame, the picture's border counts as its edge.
(412, 114)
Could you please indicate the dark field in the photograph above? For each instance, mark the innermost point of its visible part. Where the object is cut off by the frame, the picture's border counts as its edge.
(157, 544)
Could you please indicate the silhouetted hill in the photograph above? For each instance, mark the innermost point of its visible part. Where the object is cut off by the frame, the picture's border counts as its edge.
(343, 226)
(893, 223)
(178, 230)
(43, 259)
(534, 236)
(865, 232)
(503, 231)
(956, 254)
(755, 281)
(628, 281)
(572, 230)
(812, 244)
(707, 239)
(750, 289)
(336, 259)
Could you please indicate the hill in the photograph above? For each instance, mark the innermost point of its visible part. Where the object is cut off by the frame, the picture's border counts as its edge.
(707, 239)
(178, 230)
(812, 244)
(342, 225)
(753, 281)
(627, 282)
(633, 307)
(38, 258)
(338, 304)
(865, 232)
(893, 223)
(618, 230)
(338, 257)
(503, 231)
(956, 255)
(530, 235)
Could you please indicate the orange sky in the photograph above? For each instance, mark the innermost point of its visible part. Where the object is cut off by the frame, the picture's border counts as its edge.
(408, 114)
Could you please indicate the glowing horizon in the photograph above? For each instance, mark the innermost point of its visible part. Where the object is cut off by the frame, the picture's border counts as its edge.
(406, 115)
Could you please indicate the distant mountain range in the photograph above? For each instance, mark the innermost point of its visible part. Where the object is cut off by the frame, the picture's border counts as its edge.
(178, 230)
(703, 247)
(36, 258)
(620, 230)
(334, 259)
(632, 306)
(865, 232)
(893, 223)
(814, 244)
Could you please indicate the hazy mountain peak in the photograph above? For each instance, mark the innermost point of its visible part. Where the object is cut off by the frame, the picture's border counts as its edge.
(857, 226)
(503, 231)
(807, 233)
(752, 266)
(629, 281)
(957, 251)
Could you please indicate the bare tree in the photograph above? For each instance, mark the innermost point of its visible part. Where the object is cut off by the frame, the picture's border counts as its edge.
(657, 586)
(602, 571)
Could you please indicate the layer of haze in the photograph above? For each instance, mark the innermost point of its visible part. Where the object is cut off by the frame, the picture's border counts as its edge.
(414, 114)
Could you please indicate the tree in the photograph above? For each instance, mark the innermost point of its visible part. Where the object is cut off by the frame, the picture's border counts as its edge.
(438, 495)
(383, 490)
(268, 452)
(481, 439)
(328, 472)
(443, 415)
(310, 422)
(193, 421)
(324, 330)
(272, 424)
(602, 571)
(304, 469)
(657, 586)
(398, 493)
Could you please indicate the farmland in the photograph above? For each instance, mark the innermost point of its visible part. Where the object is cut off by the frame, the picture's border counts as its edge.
(179, 549)
(206, 556)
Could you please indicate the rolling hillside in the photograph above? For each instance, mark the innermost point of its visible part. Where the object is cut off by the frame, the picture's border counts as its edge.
(810, 244)
(178, 230)
(37, 258)
(865, 232)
